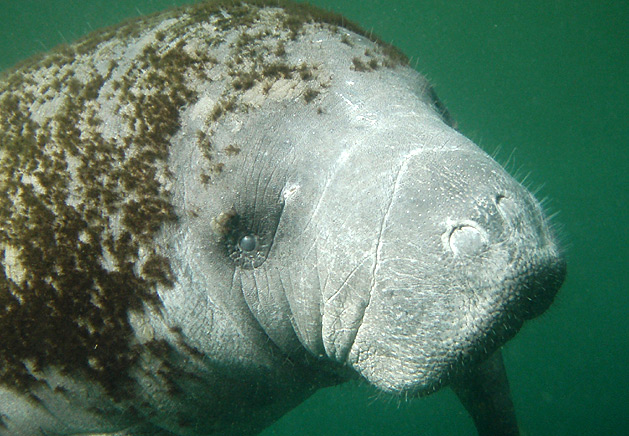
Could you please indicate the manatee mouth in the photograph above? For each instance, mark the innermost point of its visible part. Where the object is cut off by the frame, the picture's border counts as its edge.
(538, 287)
(423, 350)
(531, 294)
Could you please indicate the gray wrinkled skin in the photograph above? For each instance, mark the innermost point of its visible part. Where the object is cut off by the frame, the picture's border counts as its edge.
(324, 223)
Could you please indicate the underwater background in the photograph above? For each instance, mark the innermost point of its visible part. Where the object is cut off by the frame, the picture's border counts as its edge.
(544, 82)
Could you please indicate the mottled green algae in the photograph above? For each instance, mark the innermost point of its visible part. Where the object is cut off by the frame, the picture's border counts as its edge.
(80, 203)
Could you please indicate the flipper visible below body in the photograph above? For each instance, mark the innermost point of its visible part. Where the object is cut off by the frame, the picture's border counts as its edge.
(484, 391)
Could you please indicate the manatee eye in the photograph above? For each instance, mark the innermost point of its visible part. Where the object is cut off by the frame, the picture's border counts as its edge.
(247, 232)
(248, 243)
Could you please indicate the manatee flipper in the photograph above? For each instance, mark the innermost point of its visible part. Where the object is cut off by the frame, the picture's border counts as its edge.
(484, 391)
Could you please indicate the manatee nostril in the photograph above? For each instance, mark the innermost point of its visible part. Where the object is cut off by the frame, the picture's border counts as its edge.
(467, 240)
(507, 207)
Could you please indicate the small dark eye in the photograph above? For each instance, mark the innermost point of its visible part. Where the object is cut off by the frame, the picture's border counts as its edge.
(247, 237)
(248, 243)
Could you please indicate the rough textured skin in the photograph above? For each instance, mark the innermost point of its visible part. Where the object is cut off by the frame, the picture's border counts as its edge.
(209, 213)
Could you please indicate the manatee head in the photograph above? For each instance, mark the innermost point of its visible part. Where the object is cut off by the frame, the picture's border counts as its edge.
(362, 227)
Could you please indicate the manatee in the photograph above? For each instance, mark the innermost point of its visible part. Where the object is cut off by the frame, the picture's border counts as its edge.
(209, 213)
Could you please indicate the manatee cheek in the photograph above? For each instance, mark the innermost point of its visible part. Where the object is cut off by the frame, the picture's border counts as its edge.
(401, 347)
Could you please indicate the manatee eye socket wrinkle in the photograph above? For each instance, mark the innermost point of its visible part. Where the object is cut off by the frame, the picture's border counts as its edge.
(211, 212)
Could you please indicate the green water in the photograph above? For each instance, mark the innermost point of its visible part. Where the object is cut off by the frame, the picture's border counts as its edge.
(547, 79)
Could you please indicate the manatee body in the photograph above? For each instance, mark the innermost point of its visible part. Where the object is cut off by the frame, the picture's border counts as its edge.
(212, 212)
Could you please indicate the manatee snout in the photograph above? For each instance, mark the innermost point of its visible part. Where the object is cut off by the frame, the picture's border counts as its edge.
(466, 255)
(513, 221)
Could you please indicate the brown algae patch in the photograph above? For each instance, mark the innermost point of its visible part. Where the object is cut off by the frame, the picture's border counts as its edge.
(85, 133)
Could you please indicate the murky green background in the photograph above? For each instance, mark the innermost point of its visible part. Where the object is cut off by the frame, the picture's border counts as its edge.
(546, 78)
